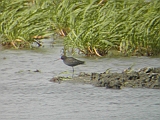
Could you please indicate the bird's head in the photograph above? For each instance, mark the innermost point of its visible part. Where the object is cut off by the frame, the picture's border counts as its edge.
(63, 57)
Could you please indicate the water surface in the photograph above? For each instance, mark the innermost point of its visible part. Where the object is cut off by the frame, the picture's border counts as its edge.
(29, 95)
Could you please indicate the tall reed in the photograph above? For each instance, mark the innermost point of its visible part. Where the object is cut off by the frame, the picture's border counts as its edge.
(94, 27)
(129, 26)
(21, 20)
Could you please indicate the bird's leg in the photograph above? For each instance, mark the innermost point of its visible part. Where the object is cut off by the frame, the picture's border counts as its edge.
(73, 72)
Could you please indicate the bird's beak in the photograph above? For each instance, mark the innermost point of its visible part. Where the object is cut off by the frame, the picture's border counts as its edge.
(57, 59)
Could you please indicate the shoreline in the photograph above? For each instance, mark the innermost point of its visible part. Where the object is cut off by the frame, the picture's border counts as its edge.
(144, 78)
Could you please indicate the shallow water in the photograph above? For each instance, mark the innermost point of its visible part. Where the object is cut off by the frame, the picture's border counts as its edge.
(29, 95)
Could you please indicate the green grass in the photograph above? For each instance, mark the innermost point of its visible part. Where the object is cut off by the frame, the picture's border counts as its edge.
(21, 20)
(93, 27)
(131, 27)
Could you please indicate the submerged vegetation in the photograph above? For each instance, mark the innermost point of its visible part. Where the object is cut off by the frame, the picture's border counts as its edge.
(94, 27)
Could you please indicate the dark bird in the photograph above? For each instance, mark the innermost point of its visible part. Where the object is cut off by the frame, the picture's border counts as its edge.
(70, 61)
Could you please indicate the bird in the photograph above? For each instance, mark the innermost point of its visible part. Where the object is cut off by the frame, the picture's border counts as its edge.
(70, 61)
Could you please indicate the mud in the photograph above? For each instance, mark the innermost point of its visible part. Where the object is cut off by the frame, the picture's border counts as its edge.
(144, 78)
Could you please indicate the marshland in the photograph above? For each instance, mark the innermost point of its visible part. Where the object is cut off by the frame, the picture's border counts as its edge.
(112, 36)
(94, 27)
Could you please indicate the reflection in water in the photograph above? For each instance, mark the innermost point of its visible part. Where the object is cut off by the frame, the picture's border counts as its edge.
(28, 94)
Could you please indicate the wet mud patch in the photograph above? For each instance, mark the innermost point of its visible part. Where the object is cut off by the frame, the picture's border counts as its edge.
(144, 78)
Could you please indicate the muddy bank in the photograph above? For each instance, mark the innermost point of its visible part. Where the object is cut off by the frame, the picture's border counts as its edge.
(144, 78)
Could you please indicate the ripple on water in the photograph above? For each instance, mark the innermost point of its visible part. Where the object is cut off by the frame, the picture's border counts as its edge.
(26, 94)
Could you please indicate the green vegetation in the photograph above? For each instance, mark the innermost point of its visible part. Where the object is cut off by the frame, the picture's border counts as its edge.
(131, 27)
(94, 27)
(21, 21)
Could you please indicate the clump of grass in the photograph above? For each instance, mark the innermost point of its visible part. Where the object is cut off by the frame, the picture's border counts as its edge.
(129, 26)
(61, 16)
(21, 20)
(94, 27)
